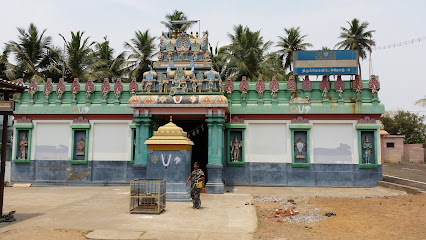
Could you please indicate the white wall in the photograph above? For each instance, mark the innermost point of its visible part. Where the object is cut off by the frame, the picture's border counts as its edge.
(266, 141)
(51, 140)
(110, 141)
(334, 142)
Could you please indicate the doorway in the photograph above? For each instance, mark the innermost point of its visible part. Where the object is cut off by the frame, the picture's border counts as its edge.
(198, 133)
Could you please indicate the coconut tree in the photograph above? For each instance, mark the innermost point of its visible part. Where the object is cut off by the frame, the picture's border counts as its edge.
(272, 66)
(291, 42)
(4, 63)
(106, 53)
(244, 55)
(81, 61)
(357, 38)
(176, 16)
(31, 53)
(142, 50)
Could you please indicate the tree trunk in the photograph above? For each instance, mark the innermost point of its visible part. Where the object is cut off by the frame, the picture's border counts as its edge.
(359, 65)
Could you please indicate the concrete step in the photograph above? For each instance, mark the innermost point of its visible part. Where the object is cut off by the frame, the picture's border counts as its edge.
(400, 187)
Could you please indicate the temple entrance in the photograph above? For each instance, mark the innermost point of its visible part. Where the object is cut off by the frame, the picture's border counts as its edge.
(200, 139)
(198, 133)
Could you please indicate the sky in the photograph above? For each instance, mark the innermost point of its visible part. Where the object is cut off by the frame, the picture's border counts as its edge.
(400, 69)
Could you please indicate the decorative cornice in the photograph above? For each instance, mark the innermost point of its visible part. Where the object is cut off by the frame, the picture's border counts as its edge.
(373, 83)
(244, 86)
(260, 87)
(75, 88)
(60, 88)
(48, 88)
(306, 84)
(118, 88)
(300, 119)
(133, 86)
(33, 88)
(105, 88)
(80, 119)
(339, 84)
(237, 119)
(89, 88)
(291, 84)
(357, 83)
(24, 119)
(229, 86)
(325, 83)
(367, 119)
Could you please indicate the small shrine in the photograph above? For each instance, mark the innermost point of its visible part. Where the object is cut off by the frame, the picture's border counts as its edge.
(169, 157)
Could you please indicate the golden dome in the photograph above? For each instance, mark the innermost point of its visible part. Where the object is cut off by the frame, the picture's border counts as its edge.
(169, 137)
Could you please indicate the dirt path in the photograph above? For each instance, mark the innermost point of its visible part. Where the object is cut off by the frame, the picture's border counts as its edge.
(402, 217)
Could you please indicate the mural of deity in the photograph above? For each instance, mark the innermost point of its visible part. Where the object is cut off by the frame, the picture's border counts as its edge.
(23, 145)
(367, 149)
(235, 149)
(81, 144)
(300, 146)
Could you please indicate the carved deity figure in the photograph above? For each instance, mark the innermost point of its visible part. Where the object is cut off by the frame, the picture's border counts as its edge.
(166, 85)
(340, 91)
(148, 85)
(367, 148)
(23, 145)
(80, 145)
(194, 84)
(299, 146)
(235, 149)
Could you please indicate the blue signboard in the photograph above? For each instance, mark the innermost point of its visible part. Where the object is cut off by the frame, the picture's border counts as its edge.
(331, 62)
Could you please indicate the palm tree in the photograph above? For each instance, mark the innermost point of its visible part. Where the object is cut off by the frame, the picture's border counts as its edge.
(4, 63)
(30, 53)
(176, 16)
(245, 53)
(81, 61)
(357, 38)
(293, 41)
(142, 50)
(272, 66)
(106, 53)
(218, 60)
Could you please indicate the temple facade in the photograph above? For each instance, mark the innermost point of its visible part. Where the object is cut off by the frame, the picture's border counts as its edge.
(264, 133)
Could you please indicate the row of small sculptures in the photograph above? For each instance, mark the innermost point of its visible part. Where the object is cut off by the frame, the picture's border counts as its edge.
(168, 85)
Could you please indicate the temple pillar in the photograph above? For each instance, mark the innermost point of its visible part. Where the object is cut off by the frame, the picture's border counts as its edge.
(215, 124)
(143, 124)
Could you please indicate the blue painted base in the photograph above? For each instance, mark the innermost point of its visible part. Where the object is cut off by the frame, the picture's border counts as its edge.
(175, 167)
(318, 175)
(215, 183)
(56, 172)
(52, 172)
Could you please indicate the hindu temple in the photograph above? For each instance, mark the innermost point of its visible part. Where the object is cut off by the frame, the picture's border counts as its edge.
(304, 132)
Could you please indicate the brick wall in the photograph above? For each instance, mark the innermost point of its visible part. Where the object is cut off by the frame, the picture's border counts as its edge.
(414, 152)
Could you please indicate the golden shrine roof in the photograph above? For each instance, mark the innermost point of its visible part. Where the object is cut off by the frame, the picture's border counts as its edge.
(169, 134)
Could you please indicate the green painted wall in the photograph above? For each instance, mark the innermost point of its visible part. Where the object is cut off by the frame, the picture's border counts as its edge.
(251, 105)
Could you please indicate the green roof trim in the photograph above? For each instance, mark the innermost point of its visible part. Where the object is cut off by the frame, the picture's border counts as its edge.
(300, 126)
(23, 125)
(236, 125)
(367, 126)
(80, 125)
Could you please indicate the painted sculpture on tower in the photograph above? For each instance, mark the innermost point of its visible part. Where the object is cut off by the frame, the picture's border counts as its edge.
(300, 147)
(23, 146)
(235, 149)
(367, 150)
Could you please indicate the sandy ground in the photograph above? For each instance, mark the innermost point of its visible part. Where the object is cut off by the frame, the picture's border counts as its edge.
(73, 212)
(400, 217)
